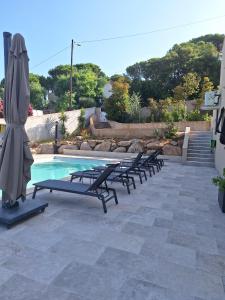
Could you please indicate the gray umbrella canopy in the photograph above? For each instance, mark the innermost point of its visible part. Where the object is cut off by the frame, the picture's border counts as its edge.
(16, 157)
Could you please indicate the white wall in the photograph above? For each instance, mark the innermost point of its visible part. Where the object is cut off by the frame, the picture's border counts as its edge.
(220, 149)
(40, 128)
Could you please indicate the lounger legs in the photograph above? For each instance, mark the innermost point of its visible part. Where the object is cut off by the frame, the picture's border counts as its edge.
(34, 192)
(104, 205)
(115, 196)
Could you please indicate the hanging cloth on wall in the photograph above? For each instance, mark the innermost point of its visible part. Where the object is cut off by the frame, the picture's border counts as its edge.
(222, 130)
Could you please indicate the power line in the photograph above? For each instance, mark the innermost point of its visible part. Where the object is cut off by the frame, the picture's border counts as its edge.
(50, 57)
(130, 36)
(152, 31)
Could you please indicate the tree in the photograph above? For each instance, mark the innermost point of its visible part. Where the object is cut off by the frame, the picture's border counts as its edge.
(206, 86)
(190, 85)
(37, 92)
(88, 81)
(158, 77)
(215, 39)
(178, 92)
(116, 106)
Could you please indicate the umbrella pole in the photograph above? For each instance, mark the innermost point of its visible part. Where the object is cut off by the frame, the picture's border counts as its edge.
(7, 39)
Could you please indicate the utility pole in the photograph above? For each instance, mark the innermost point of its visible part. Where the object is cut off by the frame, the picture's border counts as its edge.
(71, 71)
(71, 75)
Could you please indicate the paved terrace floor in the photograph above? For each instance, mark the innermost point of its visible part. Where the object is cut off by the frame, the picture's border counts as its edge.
(166, 241)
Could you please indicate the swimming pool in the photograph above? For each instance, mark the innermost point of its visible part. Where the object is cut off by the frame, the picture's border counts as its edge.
(61, 167)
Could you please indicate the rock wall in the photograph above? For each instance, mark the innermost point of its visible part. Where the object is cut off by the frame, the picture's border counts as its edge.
(168, 147)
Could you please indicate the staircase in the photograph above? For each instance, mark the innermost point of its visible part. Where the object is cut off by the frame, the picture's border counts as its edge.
(199, 149)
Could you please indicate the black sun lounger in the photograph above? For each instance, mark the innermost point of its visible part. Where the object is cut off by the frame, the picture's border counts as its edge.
(132, 169)
(98, 188)
(122, 177)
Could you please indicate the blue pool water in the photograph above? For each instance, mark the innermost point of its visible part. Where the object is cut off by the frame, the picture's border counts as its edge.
(59, 168)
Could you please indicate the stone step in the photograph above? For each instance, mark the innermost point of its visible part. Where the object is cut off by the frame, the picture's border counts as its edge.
(201, 155)
(200, 136)
(200, 139)
(199, 164)
(199, 147)
(202, 143)
(200, 159)
(204, 150)
(200, 132)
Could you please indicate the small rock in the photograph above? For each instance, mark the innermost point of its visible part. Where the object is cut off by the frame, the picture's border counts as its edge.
(135, 148)
(99, 141)
(45, 148)
(33, 144)
(171, 150)
(120, 149)
(124, 143)
(156, 145)
(92, 143)
(72, 147)
(79, 138)
(174, 143)
(85, 146)
(150, 152)
(105, 146)
(113, 146)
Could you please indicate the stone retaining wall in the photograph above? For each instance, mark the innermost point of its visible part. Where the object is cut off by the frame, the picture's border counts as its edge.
(140, 130)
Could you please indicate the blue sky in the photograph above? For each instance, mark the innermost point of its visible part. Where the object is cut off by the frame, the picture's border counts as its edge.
(48, 26)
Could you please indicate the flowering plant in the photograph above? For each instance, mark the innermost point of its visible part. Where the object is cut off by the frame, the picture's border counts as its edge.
(30, 109)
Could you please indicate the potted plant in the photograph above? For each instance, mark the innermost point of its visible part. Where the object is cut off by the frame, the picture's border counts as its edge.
(220, 182)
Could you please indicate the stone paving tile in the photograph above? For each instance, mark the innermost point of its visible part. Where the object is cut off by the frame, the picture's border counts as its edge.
(35, 238)
(195, 242)
(180, 225)
(120, 240)
(92, 282)
(214, 264)
(45, 223)
(136, 290)
(123, 261)
(37, 265)
(148, 232)
(5, 274)
(184, 280)
(171, 253)
(82, 251)
(21, 288)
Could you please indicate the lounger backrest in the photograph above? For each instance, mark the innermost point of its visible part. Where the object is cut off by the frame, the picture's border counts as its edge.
(137, 159)
(102, 177)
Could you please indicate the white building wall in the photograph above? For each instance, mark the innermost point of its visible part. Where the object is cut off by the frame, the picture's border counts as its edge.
(41, 128)
(220, 149)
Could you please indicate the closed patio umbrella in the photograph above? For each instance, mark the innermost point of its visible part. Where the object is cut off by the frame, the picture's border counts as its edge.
(15, 158)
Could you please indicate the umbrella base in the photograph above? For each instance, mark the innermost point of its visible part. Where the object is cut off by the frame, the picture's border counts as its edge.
(12, 216)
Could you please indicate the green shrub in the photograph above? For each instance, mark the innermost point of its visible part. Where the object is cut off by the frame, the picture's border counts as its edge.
(220, 181)
(195, 115)
(86, 102)
(171, 131)
(63, 118)
(81, 119)
(134, 107)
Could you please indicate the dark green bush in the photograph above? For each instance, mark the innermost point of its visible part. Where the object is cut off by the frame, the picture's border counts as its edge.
(86, 102)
